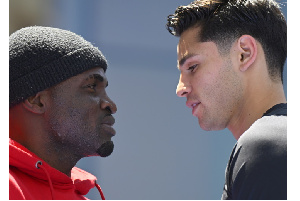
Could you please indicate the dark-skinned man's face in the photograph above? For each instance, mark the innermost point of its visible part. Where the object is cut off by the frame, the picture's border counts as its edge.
(80, 114)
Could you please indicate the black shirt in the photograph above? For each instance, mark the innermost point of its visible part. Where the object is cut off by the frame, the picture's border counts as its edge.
(257, 168)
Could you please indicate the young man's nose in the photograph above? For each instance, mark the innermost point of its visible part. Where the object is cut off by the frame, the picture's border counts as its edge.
(182, 89)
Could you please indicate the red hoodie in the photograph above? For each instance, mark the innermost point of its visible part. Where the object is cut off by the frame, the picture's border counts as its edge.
(32, 178)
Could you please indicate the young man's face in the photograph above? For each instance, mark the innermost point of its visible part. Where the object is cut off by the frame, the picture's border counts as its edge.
(208, 80)
(80, 114)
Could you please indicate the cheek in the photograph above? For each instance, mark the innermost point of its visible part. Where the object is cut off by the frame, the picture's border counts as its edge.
(67, 114)
(75, 112)
(216, 86)
(77, 128)
(225, 90)
(81, 106)
(204, 83)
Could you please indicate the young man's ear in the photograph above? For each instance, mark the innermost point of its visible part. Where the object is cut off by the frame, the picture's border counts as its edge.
(247, 51)
(36, 103)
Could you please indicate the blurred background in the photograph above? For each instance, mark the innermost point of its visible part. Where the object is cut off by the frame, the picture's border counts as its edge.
(160, 150)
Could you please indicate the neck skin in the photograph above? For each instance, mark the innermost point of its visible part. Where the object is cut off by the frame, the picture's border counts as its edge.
(260, 94)
(254, 108)
(30, 131)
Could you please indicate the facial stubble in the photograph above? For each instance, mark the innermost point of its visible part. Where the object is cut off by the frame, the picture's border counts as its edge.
(105, 148)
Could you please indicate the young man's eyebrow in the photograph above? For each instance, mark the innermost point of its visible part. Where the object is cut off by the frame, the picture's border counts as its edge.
(184, 59)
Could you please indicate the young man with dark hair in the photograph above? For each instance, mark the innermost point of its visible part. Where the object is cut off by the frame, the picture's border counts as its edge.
(59, 112)
(231, 55)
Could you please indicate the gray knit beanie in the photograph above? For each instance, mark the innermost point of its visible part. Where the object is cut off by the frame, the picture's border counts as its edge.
(41, 57)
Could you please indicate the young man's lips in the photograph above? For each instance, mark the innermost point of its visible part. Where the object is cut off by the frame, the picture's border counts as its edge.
(195, 106)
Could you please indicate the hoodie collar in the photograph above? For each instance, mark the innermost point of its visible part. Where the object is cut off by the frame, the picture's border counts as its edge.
(26, 161)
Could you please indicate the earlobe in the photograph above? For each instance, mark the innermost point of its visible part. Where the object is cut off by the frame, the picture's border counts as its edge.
(247, 52)
(34, 104)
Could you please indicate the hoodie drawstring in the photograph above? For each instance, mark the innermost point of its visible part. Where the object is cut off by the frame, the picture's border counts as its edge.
(100, 191)
(38, 165)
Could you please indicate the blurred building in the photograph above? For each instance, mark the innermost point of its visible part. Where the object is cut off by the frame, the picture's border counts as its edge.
(160, 150)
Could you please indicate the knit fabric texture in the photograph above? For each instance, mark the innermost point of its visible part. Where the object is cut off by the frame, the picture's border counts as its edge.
(41, 57)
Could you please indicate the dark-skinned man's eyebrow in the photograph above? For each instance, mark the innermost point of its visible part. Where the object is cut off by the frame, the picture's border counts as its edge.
(97, 77)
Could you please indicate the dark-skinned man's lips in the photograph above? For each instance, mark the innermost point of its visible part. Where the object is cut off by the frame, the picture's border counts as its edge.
(107, 124)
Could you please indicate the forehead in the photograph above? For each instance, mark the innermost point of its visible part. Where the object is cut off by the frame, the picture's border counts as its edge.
(190, 36)
(190, 47)
(188, 44)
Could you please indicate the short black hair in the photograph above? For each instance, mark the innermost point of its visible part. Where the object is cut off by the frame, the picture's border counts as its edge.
(223, 21)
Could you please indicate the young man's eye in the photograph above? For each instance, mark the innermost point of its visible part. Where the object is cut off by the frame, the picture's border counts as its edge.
(192, 67)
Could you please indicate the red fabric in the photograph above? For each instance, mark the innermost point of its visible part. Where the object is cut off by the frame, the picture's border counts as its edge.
(27, 180)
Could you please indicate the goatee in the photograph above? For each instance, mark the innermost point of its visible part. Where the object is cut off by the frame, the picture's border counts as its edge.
(106, 149)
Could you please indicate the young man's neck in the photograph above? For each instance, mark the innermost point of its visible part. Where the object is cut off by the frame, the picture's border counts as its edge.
(255, 106)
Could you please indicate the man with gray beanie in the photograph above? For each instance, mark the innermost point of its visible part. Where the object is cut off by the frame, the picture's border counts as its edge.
(59, 112)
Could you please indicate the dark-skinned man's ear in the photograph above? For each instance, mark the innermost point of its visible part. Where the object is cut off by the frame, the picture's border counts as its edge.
(35, 103)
